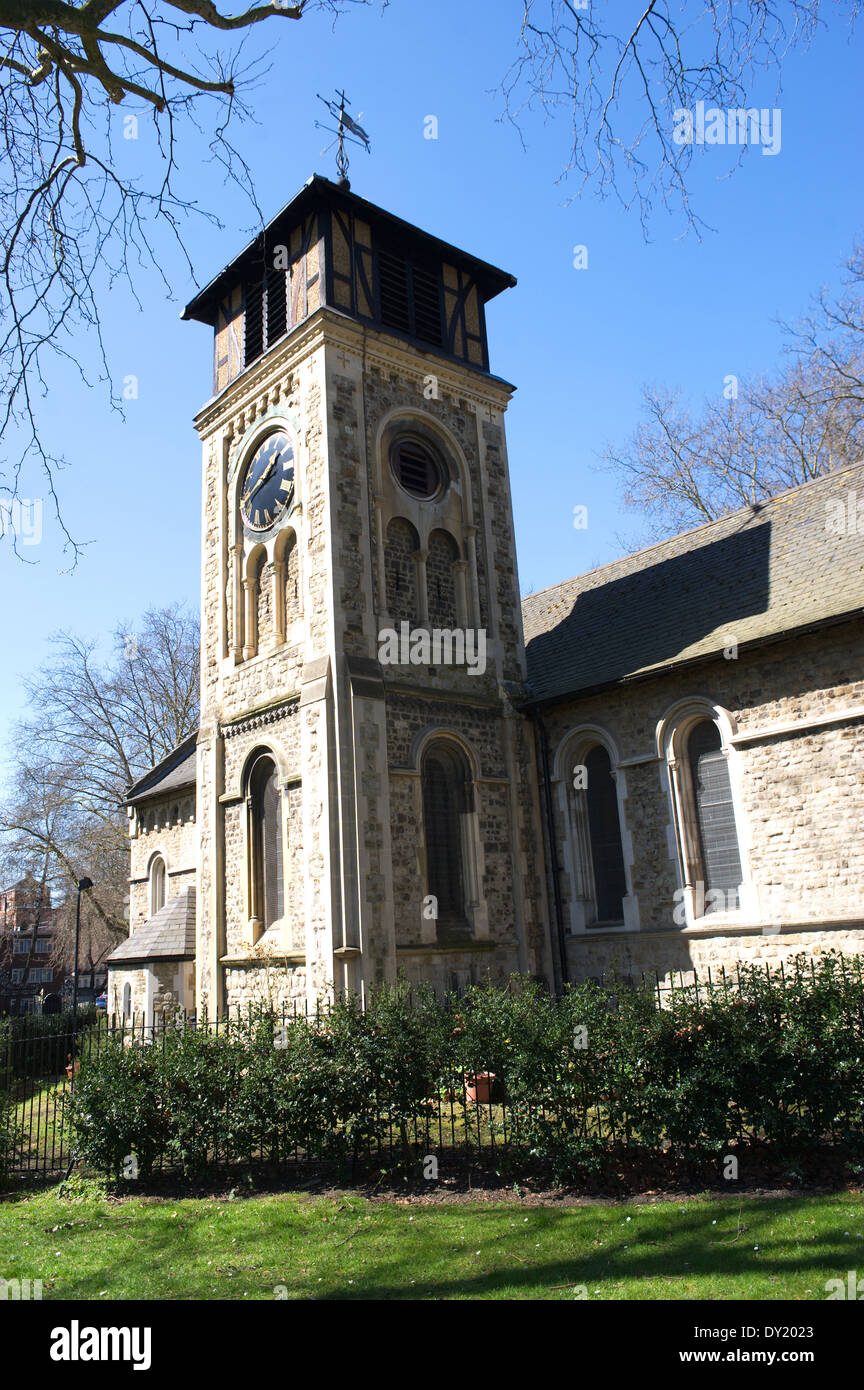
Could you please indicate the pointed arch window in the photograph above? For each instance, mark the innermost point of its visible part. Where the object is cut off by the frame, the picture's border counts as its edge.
(266, 888)
(158, 878)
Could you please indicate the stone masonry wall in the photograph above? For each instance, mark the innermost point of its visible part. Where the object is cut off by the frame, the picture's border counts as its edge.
(800, 794)
(165, 827)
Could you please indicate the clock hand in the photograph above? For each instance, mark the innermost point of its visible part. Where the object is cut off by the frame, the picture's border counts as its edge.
(247, 497)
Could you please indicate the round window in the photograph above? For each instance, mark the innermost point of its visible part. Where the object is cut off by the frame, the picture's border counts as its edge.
(416, 468)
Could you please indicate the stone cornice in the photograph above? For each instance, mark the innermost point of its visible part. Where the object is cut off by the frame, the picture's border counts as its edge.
(382, 350)
(240, 395)
(260, 719)
(326, 326)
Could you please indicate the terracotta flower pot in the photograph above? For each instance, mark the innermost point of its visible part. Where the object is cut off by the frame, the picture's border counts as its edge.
(478, 1087)
(72, 1068)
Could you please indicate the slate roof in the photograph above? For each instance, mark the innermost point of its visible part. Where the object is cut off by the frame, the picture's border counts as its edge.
(168, 935)
(749, 577)
(318, 192)
(175, 770)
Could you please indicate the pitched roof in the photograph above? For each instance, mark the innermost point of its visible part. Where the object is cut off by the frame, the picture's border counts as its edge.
(175, 770)
(318, 192)
(168, 935)
(756, 574)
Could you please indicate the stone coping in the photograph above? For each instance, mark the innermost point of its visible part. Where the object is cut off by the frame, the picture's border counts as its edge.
(454, 947)
(766, 929)
(277, 958)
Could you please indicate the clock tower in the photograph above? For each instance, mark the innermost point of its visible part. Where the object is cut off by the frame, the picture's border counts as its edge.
(367, 802)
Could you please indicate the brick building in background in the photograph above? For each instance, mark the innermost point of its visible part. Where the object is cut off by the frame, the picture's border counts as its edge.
(28, 965)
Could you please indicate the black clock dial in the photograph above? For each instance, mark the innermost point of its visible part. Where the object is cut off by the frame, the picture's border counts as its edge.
(268, 482)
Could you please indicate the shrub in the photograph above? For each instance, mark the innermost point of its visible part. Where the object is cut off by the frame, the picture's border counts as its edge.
(771, 1059)
(117, 1111)
(198, 1077)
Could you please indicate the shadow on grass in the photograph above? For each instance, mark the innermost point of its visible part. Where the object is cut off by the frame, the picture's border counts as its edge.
(477, 1253)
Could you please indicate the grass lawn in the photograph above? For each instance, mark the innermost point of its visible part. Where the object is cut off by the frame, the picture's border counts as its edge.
(85, 1246)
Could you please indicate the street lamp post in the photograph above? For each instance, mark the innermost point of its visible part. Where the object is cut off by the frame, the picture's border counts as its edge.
(83, 885)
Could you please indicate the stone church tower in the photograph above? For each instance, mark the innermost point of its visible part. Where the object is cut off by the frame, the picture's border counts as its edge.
(366, 800)
(362, 801)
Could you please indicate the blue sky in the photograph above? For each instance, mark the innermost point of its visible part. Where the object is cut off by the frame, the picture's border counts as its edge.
(578, 344)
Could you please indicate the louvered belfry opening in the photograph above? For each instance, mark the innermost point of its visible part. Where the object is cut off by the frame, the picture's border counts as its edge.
(604, 829)
(416, 467)
(445, 781)
(410, 298)
(266, 313)
(427, 306)
(394, 291)
(715, 813)
(266, 827)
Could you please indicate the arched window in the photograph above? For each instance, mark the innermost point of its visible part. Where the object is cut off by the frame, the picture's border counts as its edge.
(443, 556)
(293, 601)
(604, 829)
(719, 855)
(400, 568)
(157, 884)
(256, 602)
(695, 737)
(265, 833)
(447, 804)
(593, 850)
(285, 584)
(127, 1000)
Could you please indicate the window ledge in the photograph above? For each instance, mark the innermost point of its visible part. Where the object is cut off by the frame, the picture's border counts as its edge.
(453, 946)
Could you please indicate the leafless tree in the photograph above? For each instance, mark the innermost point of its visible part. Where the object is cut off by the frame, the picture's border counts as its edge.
(93, 730)
(620, 72)
(71, 223)
(681, 469)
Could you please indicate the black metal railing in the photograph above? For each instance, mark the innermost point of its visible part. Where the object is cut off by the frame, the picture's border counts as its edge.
(461, 1114)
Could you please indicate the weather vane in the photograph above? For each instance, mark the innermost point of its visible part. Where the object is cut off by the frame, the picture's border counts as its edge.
(348, 129)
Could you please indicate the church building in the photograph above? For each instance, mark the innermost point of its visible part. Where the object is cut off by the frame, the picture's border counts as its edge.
(387, 782)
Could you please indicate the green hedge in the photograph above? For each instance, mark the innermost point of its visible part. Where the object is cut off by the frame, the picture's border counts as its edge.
(771, 1060)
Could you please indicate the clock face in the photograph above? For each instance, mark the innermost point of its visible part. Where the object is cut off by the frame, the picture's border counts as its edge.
(268, 482)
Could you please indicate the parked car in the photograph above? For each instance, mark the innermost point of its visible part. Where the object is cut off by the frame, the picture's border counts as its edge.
(101, 1001)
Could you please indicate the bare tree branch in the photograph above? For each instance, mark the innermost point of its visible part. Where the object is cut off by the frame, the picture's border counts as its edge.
(621, 73)
(94, 730)
(71, 224)
(771, 434)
